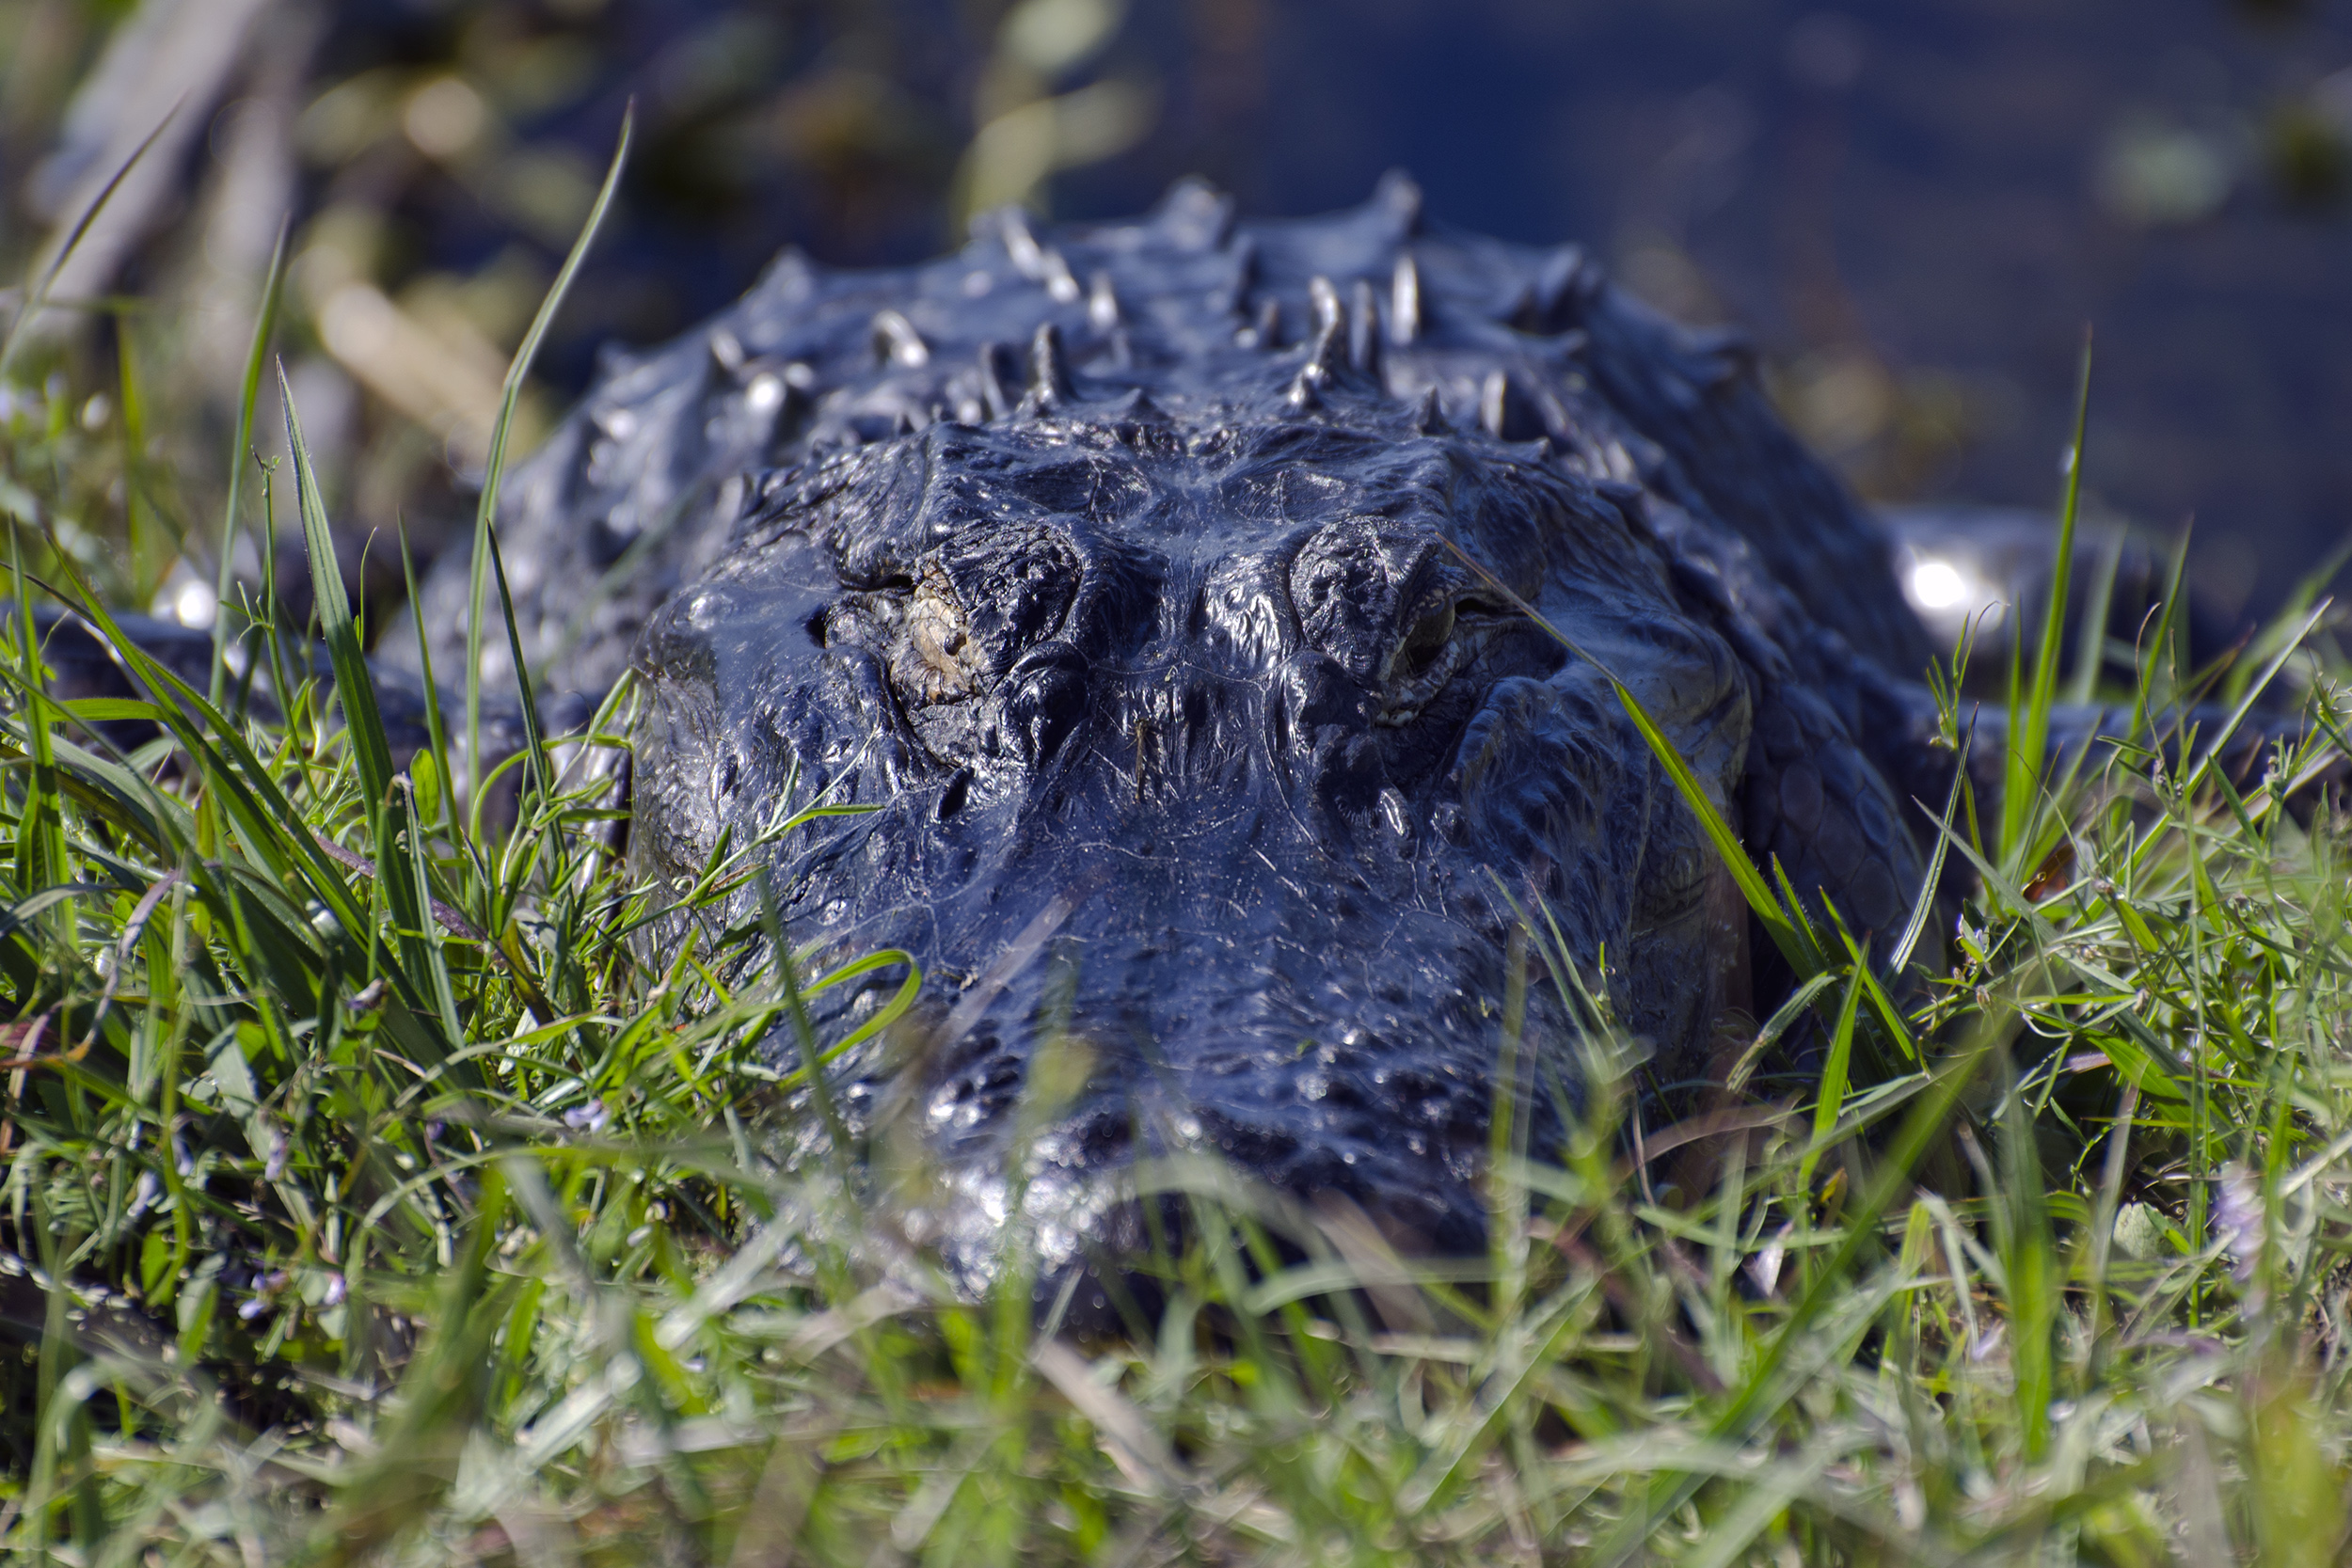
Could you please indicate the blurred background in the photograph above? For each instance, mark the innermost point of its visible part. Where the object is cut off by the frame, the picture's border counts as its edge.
(1914, 205)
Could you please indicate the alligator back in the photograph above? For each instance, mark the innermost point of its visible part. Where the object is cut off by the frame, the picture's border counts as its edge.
(634, 494)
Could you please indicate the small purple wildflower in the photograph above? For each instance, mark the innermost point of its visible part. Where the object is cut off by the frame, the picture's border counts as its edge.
(2239, 1219)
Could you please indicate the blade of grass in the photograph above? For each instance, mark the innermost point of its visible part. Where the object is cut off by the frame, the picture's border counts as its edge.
(840, 1148)
(1788, 930)
(2103, 1235)
(2029, 730)
(2211, 752)
(2030, 1268)
(139, 510)
(353, 686)
(1923, 907)
(1889, 1016)
(535, 736)
(265, 325)
(43, 853)
(2090, 647)
(1832, 1099)
(437, 736)
(401, 869)
(486, 512)
(37, 297)
(1506, 1136)
(889, 1013)
(1778, 1024)
(1807, 933)
(2158, 656)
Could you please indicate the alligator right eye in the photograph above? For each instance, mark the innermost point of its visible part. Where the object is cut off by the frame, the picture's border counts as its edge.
(947, 634)
(942, 658)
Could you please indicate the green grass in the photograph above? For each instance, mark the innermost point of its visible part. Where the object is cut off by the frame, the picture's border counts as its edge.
(373, 1190)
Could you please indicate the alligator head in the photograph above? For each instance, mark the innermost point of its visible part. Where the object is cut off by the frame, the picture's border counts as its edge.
(1184, 672)
(1225, 705)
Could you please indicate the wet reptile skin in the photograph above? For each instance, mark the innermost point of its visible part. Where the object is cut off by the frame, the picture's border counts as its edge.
(1116, 566)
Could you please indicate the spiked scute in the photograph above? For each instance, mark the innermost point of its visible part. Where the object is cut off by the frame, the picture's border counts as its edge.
(1050, 385)
(999, 378)
(1405, 302)
(1458, 309)
(1103, 304)
(897, 343)
(1363, 331)
(1429, 413)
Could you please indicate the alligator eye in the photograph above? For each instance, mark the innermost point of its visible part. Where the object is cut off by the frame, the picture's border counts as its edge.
(919, 630)
(1425, 644)
(941, 659)
(947, 634)
(1442, 642)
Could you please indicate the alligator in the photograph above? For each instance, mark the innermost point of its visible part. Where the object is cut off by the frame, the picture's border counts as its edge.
(1163, 586)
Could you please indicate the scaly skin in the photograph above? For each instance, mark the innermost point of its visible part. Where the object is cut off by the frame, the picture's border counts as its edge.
(1194, 740)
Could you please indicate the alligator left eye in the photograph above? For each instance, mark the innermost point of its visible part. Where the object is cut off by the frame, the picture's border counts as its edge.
(1424, 644)
(1441, 642)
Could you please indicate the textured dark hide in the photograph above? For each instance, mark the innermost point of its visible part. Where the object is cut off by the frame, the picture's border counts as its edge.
(1118, 567)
